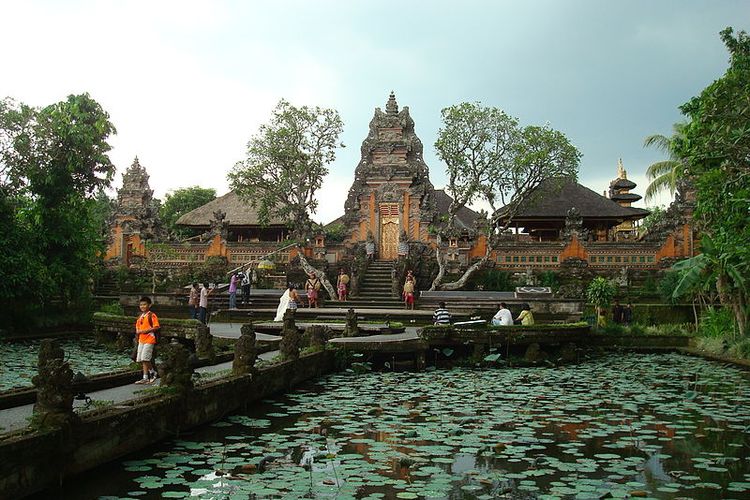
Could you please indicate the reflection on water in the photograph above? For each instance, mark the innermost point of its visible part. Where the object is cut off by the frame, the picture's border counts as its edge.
(665, 426)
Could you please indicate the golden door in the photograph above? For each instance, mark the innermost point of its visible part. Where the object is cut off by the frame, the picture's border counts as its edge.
(388, 231)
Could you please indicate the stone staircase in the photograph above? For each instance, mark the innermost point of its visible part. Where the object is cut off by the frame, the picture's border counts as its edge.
(375, 290)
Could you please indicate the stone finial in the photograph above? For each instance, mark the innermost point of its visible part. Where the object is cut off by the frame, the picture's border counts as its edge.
(391, 107)
(621, 172)
(54, 386)
(245, 352)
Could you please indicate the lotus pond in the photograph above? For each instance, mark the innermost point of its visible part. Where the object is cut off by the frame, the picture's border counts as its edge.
(19, 359)
(655, 426)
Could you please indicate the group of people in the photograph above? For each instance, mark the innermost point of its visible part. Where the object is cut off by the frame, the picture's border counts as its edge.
(503, 316)
(622, 315)
(198, 301)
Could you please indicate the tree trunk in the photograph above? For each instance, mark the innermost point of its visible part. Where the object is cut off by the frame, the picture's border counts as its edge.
(441, 265)
(320, 274)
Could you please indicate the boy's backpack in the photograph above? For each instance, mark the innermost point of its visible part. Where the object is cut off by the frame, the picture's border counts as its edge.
(157, 332)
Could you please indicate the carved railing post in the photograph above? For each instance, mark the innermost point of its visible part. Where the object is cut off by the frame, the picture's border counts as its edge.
(54, 386)
(317, 336)
(245, 352)
(175, 368)
(351, 329)
(204, 346)
(291, 340)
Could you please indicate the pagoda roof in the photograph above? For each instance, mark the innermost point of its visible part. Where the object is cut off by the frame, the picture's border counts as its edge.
(239, 213)
(622, 184)
(631, 197)
(554, 197)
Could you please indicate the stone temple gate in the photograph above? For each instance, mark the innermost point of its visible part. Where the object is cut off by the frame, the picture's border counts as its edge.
(391, 193)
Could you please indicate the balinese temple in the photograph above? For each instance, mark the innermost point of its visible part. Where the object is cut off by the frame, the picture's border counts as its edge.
(240, 218)
(392, 201)
(619, 191)
(136, 217)
(391, 192)
(544, 216)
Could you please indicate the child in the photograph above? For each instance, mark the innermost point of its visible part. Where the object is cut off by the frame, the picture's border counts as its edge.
(147, 329)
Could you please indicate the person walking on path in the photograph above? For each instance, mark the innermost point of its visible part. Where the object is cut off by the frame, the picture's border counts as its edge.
(203, 303)
(147, 330)
(193, 300)
(441, 316)
(617, 312)
(627, 314)
(409, 292)
(312, 286)
(246, 285)
(526, 317)
(342, 285)
(502, 317)
(234, 282)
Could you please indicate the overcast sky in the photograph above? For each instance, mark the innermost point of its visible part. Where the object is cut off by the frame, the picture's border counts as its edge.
(187, 83)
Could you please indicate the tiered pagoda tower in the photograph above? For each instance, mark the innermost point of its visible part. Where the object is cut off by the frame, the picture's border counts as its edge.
(391, 193)
(619, 192)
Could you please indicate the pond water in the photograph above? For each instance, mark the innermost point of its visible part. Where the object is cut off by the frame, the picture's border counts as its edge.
(19, 359)
(666, 426)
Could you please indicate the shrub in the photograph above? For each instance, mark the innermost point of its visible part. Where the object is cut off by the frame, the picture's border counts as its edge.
(716, 323)
(112, 308)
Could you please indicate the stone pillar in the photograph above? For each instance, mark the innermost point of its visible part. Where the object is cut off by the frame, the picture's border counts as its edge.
(351, 329)
(175, 369)
(245, 352)
(291, 340)
(420, 360)
(54, 386)
(204, 346)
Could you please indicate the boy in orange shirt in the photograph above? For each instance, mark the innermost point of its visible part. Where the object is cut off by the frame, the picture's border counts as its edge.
(146, 328)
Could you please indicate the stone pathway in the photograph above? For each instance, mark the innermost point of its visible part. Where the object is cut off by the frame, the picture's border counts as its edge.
(16, 418)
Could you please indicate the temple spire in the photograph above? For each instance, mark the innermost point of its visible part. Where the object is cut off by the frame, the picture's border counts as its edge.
(621, 172)
(391, 107)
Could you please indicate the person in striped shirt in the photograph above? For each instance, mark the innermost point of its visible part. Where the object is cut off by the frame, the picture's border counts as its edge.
(441, 315)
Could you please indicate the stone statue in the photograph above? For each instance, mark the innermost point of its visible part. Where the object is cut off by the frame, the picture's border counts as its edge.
(351, 329)
(291, 339)
(317, 336)
(574, 226)
(245, 352)
(54, 386)
(219, 225)
(403, 244)
(174, 368)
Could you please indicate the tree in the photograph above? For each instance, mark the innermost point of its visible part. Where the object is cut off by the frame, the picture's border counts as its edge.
(53, 162)
(181, 201)
(664, 174)
(656, 216)
(716, 147)
(600, 293)
(490, 158)
(286, 163)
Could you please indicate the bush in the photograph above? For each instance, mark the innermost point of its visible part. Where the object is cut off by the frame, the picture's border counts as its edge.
(550, 279)
(667, 286)
(716, 323)
(112, 308)
(496, 280)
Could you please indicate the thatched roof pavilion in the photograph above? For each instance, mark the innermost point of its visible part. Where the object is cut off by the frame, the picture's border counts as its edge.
(241, 219)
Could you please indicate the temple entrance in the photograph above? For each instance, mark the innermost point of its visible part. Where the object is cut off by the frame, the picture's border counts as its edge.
(388, 231)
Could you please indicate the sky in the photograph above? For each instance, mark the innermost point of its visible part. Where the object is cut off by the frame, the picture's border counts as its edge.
(187, 83)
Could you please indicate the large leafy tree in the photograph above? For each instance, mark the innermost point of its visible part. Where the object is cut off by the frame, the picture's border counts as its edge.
(286, 163)
(716, 147)
(181, 201)
(490, 158)
(53, 163)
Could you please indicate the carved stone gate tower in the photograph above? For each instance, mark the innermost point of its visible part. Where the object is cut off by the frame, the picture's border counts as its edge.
(391, 192)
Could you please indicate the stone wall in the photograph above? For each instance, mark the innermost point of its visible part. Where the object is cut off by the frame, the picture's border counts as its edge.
(35, 460)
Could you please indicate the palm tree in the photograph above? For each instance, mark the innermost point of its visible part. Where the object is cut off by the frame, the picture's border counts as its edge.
(664, 174)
